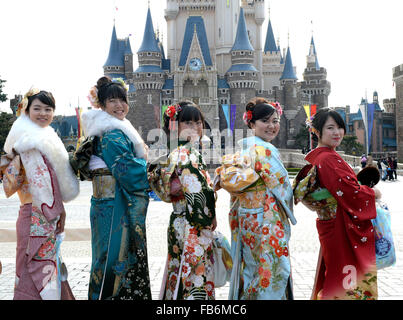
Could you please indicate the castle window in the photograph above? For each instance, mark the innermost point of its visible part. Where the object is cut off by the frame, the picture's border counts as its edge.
(149, 54)
(126, 58)
(242, 53)
(219, 33)
(242, 74)
(137, 75)
(149, 75)
(168, 91)
(149, 99)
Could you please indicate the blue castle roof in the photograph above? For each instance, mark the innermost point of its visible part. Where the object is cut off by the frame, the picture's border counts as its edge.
(288, 73)
(242, 39)
(168, 85)
(65, 124)
(149, 43)
(270, 45)
(117, 50)
(149, 69)
(314, 52)
(195, 22)
(242, 67)
(222, 84)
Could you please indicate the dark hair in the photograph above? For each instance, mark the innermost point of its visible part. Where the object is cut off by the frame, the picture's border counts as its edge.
(260, 108)
(44, 97)
(108, 89)
(321, 117)
(190, 112)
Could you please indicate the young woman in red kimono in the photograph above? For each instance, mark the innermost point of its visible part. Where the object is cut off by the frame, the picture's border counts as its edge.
(347, 264)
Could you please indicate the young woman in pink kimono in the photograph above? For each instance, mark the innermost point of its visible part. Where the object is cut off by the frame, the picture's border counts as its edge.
(37, 167)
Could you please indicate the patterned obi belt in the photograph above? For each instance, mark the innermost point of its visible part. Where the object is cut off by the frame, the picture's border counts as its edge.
(103, 183)
(253, 197)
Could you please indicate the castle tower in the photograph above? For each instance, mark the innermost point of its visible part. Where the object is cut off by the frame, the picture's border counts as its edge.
(119, 63)
(398, 79)
(254, 14)
(315, 84)
(148, 80)
(242, 77)
(272, 61)
(289, 102)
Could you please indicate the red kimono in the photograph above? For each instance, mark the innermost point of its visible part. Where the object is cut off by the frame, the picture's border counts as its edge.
(347, 263)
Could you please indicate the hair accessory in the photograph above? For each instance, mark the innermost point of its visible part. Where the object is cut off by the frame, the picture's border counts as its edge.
(24, 102)
(172, 112)
(93, 97)
(121, 81)
(247, 116)
(308, 122)
(277, 106)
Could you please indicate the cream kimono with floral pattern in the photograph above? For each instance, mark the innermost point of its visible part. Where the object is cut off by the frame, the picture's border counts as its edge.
(183, 180)
(261, 205)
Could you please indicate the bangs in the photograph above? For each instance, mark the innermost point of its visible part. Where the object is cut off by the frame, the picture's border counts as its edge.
(115, 92)
(190, 113)
(44, 97)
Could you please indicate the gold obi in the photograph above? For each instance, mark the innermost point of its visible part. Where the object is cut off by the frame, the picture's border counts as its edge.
(103, 184)
(253, 198)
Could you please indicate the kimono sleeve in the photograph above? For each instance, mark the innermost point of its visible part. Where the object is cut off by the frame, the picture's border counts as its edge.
(357, 200)
(118, 154)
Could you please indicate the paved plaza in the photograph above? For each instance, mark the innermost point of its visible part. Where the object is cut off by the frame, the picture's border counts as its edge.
(304, 244)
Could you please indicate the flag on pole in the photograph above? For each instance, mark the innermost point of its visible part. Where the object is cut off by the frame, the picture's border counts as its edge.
(78, 122)
(233, 116)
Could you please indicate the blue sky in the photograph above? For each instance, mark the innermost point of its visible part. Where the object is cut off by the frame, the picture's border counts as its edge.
(61, 45)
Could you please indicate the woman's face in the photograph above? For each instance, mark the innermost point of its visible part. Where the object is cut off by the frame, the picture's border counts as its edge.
(332, 134)
(116, 107)
(190, 130)
(267, 128)
(41, 113)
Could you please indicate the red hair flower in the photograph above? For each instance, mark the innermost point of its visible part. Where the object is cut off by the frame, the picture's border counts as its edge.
(247, 116)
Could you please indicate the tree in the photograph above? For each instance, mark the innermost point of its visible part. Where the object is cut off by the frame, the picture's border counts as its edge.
(6, 121)
(351, 146)
(3, 96)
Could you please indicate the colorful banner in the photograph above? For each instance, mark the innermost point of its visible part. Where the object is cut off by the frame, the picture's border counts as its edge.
(225, 109)
(370, 120)
(78, 114)
(233, 116)
(310, 110)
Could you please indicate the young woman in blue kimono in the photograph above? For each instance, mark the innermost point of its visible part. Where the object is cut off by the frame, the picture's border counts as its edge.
(119, 203)
(261, 208)
(182, 179)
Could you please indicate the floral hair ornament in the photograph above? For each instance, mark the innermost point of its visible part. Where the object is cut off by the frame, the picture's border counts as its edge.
(308, 122)
(247, 116)
(172, 113)
(122, 82)
(22, 106)
(278, 108)
(93, 97)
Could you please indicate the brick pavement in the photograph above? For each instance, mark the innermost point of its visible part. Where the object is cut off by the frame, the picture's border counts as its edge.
(304, 246)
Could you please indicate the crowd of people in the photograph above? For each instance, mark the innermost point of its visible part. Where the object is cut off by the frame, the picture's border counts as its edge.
(115, 158)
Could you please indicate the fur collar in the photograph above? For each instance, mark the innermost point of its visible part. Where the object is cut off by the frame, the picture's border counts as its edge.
(25, 135)
(96, 122)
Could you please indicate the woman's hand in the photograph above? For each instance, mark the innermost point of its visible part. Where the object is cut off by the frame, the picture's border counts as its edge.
(214, 224)
(378, 194)
(61, 222)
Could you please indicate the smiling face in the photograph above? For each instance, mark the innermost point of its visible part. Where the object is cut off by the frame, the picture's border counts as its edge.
(40, 113)
(267, 128)
(332, 134)
(116, 107)
(190, 130)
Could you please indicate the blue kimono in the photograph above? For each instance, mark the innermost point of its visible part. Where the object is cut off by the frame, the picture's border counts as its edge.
(261, 207)
(118, 214)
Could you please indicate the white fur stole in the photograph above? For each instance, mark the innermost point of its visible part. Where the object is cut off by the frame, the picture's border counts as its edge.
(26, 135)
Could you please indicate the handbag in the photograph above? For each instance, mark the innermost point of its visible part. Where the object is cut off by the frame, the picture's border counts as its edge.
(384, 245)
(222, 265)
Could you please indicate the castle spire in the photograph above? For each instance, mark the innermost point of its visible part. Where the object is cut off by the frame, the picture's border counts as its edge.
(114, 57)
(288, 73)
(270, 44)
(312, 57)
(149, 43)
(242, 41)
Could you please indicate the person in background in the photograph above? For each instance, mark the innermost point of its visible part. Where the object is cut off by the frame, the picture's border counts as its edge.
(363, 161)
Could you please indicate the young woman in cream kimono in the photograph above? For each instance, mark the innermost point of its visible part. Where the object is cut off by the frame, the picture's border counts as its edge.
(37, 167)
(261, 207)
